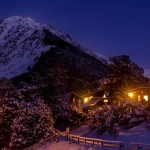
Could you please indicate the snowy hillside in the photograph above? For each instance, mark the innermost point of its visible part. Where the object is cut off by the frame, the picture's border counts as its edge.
(21, 43)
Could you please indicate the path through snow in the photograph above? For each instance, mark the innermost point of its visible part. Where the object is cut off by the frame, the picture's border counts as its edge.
(140, 134)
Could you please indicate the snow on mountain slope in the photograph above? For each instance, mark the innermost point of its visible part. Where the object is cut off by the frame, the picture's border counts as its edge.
(21, 43)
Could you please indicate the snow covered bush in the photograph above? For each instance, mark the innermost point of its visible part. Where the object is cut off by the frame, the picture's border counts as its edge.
(112, 118)
(148, 118)
(9, 105)
(22, 123)
(32, 124)
(105, 120)
(66, 114)
(131, 114)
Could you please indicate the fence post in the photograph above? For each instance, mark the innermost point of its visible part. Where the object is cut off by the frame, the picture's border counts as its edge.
(101, 145)
(55, 136)
(120, 145)
(137, 147)
(78, 140)
(93, 145)
(67, 133)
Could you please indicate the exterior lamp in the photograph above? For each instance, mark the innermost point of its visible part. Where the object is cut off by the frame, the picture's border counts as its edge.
(85, 100)
(130, 94)
(104, 96)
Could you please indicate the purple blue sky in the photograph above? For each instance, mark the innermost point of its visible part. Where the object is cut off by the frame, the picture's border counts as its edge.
(109, 27)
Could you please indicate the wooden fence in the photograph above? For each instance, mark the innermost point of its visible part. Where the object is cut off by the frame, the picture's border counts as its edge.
(99, 143)
(102, 144)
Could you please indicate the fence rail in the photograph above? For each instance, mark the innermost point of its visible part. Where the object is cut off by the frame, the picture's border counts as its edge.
(106, 143)
(102, 144)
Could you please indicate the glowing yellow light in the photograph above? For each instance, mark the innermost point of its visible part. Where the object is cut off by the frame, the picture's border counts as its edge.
(139, 98)
(146, 97)
(85, 100)
(130, 94)
(105, 100)
(104, 96)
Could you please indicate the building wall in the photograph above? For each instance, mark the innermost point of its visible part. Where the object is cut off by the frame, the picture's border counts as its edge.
(142, 96)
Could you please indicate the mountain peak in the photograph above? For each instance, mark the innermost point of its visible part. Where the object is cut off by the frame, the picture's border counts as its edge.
(22, 42)
(21, 20)
(16, 18)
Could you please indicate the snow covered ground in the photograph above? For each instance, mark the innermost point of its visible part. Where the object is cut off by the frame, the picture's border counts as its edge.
(64, 145)
(138, 134)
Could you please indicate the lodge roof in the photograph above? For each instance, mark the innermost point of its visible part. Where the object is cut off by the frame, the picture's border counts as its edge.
(67, 96)
(140, 89)
(98, 93)
(92, 103)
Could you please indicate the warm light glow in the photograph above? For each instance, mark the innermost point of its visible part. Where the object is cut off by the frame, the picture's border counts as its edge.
(104, 96)
(90, 97)
(146, 97)
(139, 98)
(85, 100)
(105, 100)
(130, 94)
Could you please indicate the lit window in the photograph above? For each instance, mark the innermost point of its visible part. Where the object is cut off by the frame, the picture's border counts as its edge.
(139, 98)
(146, 97)
(105, 100)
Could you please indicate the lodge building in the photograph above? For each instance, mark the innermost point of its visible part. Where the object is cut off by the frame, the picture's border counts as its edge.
(141, 95)
(103, 97)
(99, 97)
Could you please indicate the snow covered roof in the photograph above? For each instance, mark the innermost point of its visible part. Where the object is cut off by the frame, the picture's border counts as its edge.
(98, 93)
(140, 89)
(91, 103)
(67, 96)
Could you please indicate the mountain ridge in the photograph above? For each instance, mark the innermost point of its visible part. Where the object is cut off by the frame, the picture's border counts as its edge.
(21, 43)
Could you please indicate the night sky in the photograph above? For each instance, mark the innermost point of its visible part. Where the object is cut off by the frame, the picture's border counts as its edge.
(109, 27)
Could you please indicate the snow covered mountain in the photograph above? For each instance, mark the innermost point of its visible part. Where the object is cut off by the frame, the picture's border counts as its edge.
(21, 43)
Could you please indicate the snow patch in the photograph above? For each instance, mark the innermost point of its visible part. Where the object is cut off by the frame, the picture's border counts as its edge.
(63, 145)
